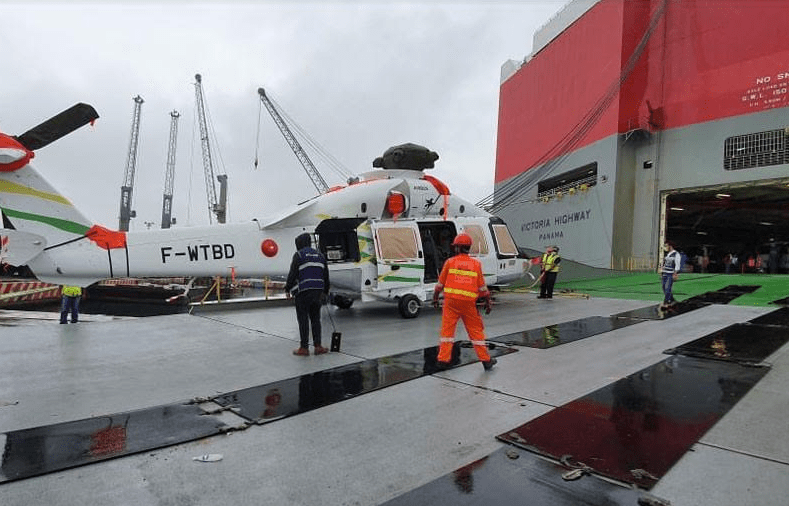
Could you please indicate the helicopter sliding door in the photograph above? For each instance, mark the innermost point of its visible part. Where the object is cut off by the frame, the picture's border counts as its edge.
(399, 256)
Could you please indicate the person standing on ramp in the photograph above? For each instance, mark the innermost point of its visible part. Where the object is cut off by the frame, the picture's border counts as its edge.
(462, 282)
(309, 276)
(550, 269)
(70, 303)
(669, 272)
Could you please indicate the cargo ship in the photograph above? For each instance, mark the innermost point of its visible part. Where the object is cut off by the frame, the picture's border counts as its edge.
(632, 123)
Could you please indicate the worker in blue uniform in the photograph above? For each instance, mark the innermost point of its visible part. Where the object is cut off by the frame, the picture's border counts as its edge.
(308, 278)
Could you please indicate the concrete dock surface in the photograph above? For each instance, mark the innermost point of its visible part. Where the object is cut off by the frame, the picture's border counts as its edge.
(375, 447)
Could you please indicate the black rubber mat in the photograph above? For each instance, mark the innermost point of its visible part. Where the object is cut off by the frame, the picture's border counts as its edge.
(781, 302)
(657, 313)
(779, 317)
(562, 333)
(722, 296)
(266, 403)
(635, 429)
(742, 342)
(511, 476)
(41, 450)
(725, 294)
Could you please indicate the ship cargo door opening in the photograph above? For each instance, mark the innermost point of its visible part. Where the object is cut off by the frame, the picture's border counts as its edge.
(710, 224)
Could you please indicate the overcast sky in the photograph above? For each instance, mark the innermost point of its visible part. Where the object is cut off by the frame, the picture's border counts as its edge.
(358, 77)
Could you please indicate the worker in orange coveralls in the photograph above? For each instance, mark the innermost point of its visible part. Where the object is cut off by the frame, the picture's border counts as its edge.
(462, 282)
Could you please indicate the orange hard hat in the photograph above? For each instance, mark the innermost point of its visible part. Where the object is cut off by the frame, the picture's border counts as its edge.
(462, 240)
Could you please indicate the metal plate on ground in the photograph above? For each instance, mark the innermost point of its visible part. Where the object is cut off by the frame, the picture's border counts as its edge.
(273, 401)
(567, 332)
(741, 342)
(635, 429)
(41, 450)
(514, 476)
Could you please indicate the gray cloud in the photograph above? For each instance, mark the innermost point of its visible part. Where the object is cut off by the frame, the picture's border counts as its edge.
(357, 76)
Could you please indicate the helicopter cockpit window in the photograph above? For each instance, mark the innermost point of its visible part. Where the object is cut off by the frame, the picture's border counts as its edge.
(504, 240)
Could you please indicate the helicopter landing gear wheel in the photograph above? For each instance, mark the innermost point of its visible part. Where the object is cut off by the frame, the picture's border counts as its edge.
(409, 306)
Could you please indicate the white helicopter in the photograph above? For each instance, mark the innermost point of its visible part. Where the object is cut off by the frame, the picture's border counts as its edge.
(385, 235)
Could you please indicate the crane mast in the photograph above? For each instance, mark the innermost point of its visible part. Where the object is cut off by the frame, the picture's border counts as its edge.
(126, 213)
(169, 175)
(218, 207)
(309, 167)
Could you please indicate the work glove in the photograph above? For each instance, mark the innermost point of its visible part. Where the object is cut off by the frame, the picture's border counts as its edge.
(435, 298)
(487, 302)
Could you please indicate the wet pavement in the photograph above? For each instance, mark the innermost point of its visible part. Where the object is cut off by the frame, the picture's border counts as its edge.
(425, 429)
(41, 450)
(633, 430)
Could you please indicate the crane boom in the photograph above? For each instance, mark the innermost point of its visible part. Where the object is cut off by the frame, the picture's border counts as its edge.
(309, 167)
(126, 213)
(169, 175)
(218, 207)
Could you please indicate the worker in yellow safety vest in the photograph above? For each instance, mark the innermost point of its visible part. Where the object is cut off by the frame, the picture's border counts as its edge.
(549, 270)
(70, 303)
(462, 282)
